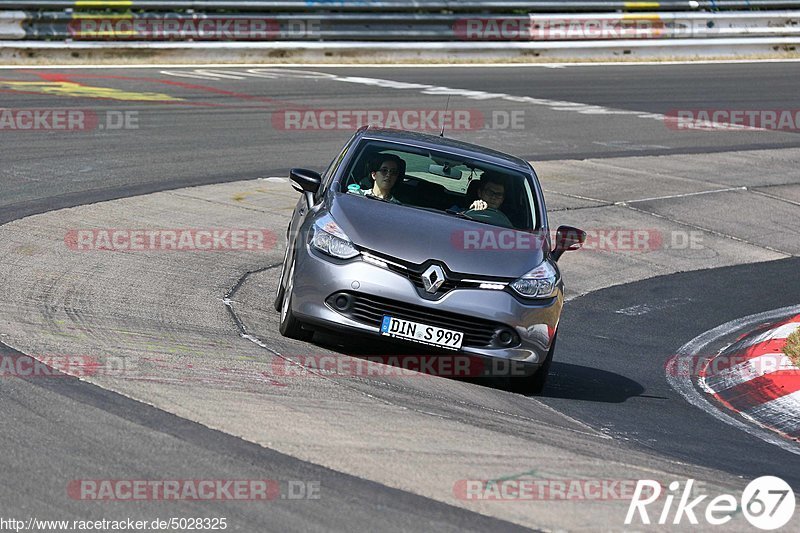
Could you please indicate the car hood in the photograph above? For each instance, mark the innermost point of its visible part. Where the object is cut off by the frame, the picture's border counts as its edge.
(416, 235)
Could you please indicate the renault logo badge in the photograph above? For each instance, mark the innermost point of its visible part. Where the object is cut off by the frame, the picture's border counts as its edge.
(433, 278)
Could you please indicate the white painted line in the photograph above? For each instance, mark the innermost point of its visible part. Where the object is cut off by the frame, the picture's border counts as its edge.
(683, 195)
(774, 196)
(643, 309)
(684, 386)
(603, 203)
(274, 179)
(432, 90)
(556, 105)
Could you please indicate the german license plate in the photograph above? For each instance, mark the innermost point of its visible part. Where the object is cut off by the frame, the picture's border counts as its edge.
(414, 331)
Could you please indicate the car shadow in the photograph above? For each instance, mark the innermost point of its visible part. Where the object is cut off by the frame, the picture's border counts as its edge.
(566, 381)
(577, 382)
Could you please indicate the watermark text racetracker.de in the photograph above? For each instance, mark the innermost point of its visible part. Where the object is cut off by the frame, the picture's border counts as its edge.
(575, 28)
(719, 119)
(193, 489)
(402, 365)
(767, 503)
(535, 489)
(197, 28)
(597, 239)
(180, 240)
(722, 366)
(17, 365)
(66, 120)
(430, 120)
(535, 28)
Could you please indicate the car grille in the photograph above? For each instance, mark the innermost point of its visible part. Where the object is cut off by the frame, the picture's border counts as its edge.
(371, 309)
(416, 278)
(413, 273)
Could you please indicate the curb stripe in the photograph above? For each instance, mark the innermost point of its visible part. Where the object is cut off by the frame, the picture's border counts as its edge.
(754, 378)
(760, 390)
(691, 390)
(727, 360)
(780, 332)
(779, 414)
(745, 371)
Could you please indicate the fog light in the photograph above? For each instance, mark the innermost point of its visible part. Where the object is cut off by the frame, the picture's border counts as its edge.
(342, 302)
(505, 337)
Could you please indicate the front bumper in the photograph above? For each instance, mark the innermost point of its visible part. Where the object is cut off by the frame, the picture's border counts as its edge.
(317, 278)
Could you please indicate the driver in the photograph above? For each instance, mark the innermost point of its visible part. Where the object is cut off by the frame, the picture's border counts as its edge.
(384, 175)
(491, 193)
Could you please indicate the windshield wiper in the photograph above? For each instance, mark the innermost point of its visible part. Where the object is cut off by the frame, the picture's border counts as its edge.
(455, 213)
(460, 214)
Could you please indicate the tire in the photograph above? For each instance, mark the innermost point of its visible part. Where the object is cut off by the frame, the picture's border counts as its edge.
(535, 383)
(289, 325)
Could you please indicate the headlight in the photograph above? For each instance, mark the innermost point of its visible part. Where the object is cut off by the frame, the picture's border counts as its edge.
(538, 283)
(329, 239)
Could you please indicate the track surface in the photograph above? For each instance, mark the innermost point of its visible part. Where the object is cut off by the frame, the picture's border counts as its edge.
(633, 350)
(611, 375)
(221, 130)
(65, 429)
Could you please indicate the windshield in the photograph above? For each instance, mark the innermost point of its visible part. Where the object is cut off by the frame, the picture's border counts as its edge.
(439, 181)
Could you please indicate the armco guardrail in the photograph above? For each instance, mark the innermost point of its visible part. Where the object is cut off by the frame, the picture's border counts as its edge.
(11, 25)
(482, 6)
(395, 26)
(493, 28)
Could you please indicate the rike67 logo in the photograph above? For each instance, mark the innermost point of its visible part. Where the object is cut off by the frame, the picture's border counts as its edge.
(767, 503)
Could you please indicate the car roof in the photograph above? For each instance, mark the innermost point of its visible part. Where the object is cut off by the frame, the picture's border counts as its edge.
(435, 142)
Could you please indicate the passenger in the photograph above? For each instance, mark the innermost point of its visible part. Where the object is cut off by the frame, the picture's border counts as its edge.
(384, 177)
(491, 193)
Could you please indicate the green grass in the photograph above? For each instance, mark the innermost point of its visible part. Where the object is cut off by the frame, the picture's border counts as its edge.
(792, 348)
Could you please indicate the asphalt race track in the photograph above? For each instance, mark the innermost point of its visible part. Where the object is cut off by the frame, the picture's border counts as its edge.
(636, 351)
(214, 135)
(607, 158)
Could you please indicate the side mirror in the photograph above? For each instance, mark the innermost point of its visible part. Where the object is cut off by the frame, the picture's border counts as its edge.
(306, 182)
(567, 238)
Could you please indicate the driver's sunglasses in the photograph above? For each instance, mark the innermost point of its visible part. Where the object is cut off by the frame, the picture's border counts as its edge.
(494, 194)
(389, 171)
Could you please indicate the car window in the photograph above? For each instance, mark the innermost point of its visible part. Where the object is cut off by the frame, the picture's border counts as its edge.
(443, 182)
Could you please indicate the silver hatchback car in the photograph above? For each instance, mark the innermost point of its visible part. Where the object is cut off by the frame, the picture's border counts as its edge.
(430, 241)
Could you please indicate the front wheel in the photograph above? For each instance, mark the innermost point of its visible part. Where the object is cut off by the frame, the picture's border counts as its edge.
(290, 326)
